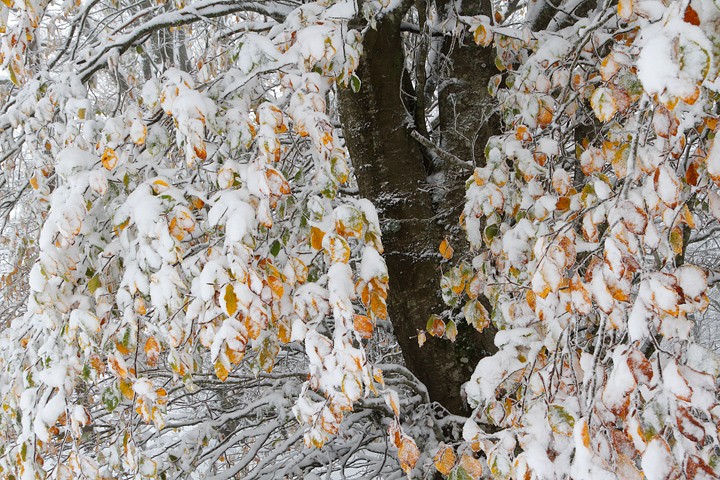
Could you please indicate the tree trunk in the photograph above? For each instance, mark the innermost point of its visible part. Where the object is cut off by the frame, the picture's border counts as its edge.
(390, 172)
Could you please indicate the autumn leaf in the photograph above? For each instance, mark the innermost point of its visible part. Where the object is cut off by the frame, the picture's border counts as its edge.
(422, 338)
(220, 370)
(676, 240)
(625, 9)
(316, 238)
(363, 326)
(109, 159)
(230, 300)
(691, 16)
(603, 104)
(560, 420)
(483, 35)
(451, 331)
(446, 250)
(444, 459)
(435, 326)
(337, 248)
(408, 454)
(476, 315)
(152, 351)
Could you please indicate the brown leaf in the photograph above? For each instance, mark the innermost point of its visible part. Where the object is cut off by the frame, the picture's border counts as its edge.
(689, 425)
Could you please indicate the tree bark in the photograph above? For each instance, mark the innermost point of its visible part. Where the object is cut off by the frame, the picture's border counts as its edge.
(390, 172)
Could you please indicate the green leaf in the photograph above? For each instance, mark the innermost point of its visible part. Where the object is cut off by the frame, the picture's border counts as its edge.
(491, 231)
(451, 331)
(94, 284)
(110, 399)
(275, 248)
(459, 473)
(355, 83)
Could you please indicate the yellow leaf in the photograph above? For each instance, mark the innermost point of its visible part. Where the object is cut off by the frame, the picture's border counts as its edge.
(268, 352)
(284, 331)
(126, 389)
(445, 460)
(676, 240)
(109, 158)
(230, 300)
(221, 371)
(276, 285)
(625, 9)
(159, 186)
(585, 433)
(235, 356)
(483, 35)
(446, 250)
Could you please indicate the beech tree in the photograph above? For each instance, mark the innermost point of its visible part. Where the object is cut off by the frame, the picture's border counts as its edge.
(358, 239)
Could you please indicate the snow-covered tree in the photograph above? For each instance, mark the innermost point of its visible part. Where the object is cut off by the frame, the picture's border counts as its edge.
(361, 238)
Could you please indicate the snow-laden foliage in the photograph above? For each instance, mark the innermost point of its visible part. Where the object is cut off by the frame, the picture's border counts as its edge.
(209, 289)
(193, 222)
(582, 211)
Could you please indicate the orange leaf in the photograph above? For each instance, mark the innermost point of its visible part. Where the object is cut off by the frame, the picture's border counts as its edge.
(363, 326)
(446, 250)
(316, 238)
(200, 151)
(378, 307)
(122, 348)
(152, 350)
(435, 326)
(472, 466)
(408, 454)
(445, 460)
(691, 16)
(109, 158)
